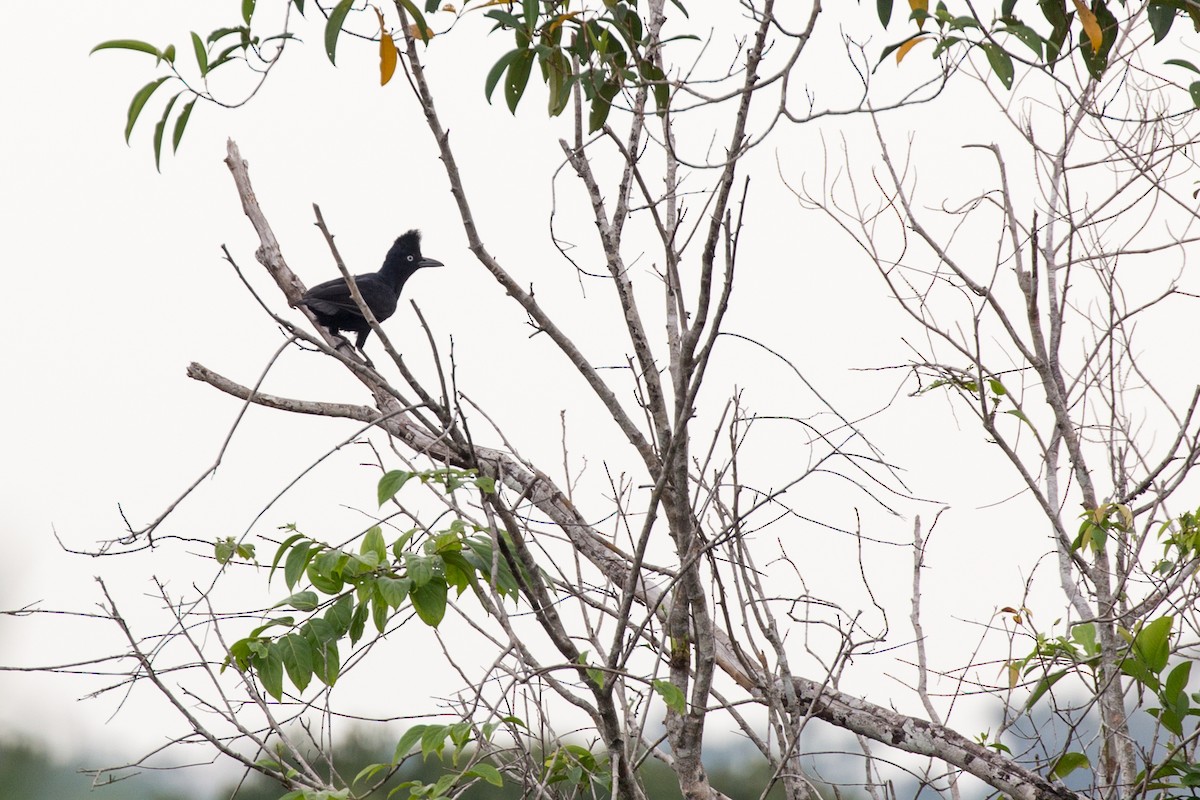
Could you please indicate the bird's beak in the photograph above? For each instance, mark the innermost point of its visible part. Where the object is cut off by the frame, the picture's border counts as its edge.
(430, 262)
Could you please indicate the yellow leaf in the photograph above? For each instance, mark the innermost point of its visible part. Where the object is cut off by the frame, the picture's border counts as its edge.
(922, 5)
(1091, 26)
(387, 59)
(387, 52)
(449, 7)
(561, 18)
(1014, 674)
(415, 30)
(903, 49)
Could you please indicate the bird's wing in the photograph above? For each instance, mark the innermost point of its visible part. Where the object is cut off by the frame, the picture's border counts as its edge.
(332, 296)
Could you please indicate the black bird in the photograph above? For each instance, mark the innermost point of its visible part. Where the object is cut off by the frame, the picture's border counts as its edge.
(334, 307)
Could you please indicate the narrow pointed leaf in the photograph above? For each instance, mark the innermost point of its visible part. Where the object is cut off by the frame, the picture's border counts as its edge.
(128, 44)
(493, 78)
(159, 128)
(891, 48)
(1091, 26)
(902, 51)
(1001, 62)
(333, 27)
(1180, 62)
(139, 102)
(181, 123)
(201, 53)
(517, 78)
(884, 9)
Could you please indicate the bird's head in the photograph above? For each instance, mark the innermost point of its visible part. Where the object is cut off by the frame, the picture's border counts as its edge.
(405, 254)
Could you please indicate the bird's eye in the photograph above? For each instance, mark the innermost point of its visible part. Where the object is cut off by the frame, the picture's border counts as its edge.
(410, 258)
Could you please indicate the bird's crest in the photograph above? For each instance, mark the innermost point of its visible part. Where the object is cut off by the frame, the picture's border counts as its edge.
(410, 242)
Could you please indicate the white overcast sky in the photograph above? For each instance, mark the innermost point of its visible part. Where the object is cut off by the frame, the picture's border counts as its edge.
(115, 282)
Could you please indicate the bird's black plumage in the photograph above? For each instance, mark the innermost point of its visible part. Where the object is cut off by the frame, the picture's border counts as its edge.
(334, 307)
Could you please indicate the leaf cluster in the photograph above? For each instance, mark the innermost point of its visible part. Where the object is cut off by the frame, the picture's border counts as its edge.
(1044, 33)
(611, 48)
(372, 583)
(220, 47)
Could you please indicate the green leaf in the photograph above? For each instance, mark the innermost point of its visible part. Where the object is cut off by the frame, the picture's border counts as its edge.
(283, 548)
(340, 613)
(661, 91)
(1084, 635)
(1161, 17)
(671, 695)
(1043, 686)
(358, 622)
(1177, 681)
(128, 44)
(433, 740)
(602, 104)
(394, 590)
(379, 612)
(405, 745)
(333, 27)
(884, 9)
(270, 671)
(516, 78)
(391, 483)
(201, 53)
(247, 10)
(296, 562)
(1180, 62)
(429, 601)
(373, 543)
(224, 550)
(168, 55)
(301, 601)
(487, 772)
(1001, 62)
(1033, 41)
(1152, 643)
(1068, 763)
(496, 72)
(945, 44)
(161, 126)
(297, 659)
(139, 102)
(420, 569)
(1194, 91)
